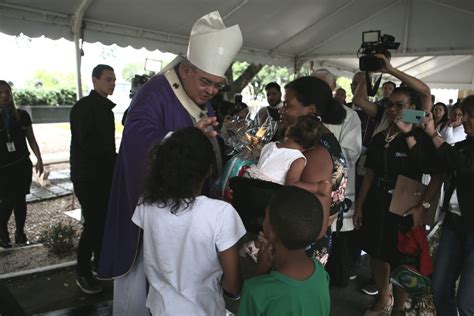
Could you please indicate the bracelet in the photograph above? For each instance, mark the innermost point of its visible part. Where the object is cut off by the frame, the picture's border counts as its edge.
(436, 134)
(409, 134)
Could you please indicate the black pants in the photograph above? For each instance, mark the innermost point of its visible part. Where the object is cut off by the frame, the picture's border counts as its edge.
(17, 205)
(340, 259)
(93, 197)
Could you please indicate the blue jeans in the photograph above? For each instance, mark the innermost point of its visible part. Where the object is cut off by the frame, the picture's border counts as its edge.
(454, 259)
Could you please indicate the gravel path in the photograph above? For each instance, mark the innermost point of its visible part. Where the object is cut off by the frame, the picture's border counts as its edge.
(40, 217)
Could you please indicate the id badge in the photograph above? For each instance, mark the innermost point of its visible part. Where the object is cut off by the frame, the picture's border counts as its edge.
(11, 147)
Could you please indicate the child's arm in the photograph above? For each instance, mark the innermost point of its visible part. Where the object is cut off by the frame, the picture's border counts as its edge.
(294, 173)
(231, 281)
(293, 178)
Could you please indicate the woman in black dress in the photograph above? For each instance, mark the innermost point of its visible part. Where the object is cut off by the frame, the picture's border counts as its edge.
(388, 157)
(15, 165)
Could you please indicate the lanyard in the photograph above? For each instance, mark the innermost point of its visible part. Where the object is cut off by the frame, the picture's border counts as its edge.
(7, 122)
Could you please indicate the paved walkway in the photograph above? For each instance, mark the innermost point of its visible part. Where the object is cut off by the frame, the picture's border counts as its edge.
(60, 185)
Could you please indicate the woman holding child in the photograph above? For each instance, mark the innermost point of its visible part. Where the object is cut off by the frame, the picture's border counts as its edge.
(325, 162)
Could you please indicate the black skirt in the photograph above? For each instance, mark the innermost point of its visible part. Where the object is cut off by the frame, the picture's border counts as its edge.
(378, 235)
(15, 179)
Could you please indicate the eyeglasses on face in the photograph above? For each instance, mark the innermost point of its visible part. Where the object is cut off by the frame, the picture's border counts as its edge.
(205, 83)
(399, 104)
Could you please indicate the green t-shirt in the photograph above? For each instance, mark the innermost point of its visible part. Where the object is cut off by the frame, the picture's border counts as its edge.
(275, 294)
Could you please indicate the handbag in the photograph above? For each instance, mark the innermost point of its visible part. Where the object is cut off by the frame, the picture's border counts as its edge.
(407, 194)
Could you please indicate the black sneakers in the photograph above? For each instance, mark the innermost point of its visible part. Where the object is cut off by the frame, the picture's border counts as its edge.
(5, 241)
(370, 289)
(20, 239)
(88, 285)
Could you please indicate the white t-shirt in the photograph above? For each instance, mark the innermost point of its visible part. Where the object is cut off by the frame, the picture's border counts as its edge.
(181, 255)
(274, 163)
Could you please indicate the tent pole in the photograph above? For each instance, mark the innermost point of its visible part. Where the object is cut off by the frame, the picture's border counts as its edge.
(78, 66)
(77, 30)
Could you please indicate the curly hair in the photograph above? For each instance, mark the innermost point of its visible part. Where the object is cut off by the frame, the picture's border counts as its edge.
(296, 216)
(314, 91)
(307, 131)
(178, 167)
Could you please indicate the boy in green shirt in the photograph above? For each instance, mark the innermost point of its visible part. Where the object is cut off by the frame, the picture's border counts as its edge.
(298, 284)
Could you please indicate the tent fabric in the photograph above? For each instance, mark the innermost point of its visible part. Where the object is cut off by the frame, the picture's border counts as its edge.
(276, 32)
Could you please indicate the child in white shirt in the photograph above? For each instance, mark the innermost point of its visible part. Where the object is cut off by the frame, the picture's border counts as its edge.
(283, 162)
(189, 240)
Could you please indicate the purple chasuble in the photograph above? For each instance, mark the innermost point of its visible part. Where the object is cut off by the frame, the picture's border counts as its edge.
(153, 113)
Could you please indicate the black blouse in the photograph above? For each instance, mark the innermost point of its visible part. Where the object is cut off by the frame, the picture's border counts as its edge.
(13, 131)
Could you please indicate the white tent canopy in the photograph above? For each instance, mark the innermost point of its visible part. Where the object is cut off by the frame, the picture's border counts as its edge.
(436, 36)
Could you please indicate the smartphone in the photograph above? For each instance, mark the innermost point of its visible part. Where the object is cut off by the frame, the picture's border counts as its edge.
(413, 116)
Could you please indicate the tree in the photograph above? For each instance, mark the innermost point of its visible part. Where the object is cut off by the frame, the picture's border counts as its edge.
(130, 70)
(257, 76)
(52, 80)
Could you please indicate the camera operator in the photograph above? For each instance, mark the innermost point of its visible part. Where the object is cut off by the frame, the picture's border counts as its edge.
(377, 111)
(137, 82)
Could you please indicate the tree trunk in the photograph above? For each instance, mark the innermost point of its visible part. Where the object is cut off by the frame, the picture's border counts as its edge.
(238, 85)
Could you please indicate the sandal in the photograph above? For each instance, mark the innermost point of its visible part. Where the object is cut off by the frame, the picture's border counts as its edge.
(382, 312)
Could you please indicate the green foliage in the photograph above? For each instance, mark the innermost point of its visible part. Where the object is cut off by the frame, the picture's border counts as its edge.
(45, 97)
(59, 238)
(345, 83)
(266, 75)
(130, 70)
(52, 80)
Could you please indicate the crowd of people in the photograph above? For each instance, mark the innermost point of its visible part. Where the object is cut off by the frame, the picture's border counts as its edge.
(152, 224)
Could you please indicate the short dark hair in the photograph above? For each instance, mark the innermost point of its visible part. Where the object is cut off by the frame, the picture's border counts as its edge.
(99, 69)
(307, 131)
(467, 105)
(273, 85)
(311, 90)
(178, 167)
(391, 83)
(296, 216)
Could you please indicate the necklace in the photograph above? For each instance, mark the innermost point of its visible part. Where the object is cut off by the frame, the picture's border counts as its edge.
(389, 138)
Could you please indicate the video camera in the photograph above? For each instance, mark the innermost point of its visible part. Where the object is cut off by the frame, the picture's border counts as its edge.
(137, 82)
(374, 43)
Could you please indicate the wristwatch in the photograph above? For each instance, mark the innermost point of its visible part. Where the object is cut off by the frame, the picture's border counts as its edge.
(426, 205)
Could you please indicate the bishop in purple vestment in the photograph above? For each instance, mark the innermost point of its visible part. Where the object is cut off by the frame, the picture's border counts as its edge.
(177, 98)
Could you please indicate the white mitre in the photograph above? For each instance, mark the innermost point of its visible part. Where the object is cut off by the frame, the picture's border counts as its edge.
(212, 46)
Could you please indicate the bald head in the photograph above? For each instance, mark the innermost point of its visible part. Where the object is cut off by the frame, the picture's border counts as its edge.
(326, 76)
(356, 79)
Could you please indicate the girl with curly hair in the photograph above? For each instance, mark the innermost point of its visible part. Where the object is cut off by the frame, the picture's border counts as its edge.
(189, 240)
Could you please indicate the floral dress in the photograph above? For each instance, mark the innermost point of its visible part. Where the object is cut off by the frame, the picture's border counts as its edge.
(339, 204)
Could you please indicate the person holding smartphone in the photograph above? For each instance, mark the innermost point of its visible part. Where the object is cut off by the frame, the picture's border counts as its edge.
(388, 156)
(377, 111)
